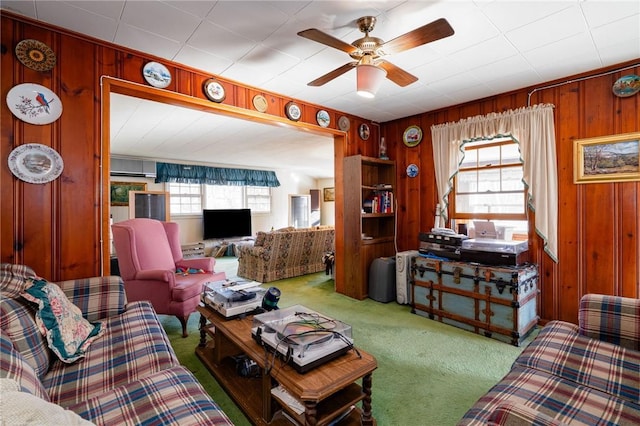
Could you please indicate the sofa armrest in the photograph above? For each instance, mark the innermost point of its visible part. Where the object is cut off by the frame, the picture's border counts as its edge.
(257, 252)
(204, 263)
(612, 319)
(514, 414)
(97, 297)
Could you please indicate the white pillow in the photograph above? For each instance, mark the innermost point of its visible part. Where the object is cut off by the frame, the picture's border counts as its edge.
(23, 408)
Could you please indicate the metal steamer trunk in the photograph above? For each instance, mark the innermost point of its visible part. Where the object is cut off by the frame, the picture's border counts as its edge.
(497, 301)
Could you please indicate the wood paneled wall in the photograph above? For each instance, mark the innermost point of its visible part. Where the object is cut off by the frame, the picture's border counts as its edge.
(599, 223)
(56, 227)
(59, 228)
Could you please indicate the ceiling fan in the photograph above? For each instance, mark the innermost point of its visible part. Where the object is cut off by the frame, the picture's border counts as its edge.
(370, 51)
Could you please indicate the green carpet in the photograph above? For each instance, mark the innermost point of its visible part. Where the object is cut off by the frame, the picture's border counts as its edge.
(428, 373)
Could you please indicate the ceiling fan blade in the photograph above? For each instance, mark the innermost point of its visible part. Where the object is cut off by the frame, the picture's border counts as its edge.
(333, 74)
(397, 74)
(426, 34)
(326, 39)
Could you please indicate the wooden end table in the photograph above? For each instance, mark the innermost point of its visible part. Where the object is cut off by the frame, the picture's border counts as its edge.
(327, 391)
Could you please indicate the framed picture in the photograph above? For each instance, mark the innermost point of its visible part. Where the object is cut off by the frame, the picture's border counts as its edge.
(120, 191)
(363, 131)
(329, 194)
(607, 159)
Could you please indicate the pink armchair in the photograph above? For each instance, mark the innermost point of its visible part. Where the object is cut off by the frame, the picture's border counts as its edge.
(149, 255)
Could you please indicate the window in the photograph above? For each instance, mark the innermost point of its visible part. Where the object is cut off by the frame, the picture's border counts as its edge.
(185, 198)
(489, 183)
(189, 199)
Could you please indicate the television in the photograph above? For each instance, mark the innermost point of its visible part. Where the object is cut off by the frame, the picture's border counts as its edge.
(226, 223)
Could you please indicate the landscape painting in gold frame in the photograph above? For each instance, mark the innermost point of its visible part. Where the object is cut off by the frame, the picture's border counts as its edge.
(120, 191)
(613, 158)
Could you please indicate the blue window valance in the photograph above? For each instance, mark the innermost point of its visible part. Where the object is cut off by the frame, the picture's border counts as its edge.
(184, 173)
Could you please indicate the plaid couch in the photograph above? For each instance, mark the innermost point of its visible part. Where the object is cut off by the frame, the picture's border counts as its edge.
(587, 374)
(285, 253)
(128, 376)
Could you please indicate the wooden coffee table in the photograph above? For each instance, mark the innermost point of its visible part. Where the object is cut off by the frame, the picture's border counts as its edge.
(327, 391)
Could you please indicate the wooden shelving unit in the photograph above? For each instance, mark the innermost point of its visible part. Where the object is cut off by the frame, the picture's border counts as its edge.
(368, 234)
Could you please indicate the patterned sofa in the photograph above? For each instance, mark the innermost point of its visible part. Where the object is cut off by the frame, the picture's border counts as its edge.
(285, 253)
(575, 375)
(128, 374)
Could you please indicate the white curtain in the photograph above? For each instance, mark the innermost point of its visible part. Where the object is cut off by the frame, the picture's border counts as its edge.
(532, 127)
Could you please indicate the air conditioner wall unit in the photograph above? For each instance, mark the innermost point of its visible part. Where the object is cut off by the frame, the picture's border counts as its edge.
(132, 167)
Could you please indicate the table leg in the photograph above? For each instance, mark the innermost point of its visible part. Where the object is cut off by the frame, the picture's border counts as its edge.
(367, 419)
(203, 333)
(310, 413)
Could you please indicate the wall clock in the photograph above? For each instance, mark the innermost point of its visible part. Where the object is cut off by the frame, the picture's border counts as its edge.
(364, 132)
(214, 90)
(412, 170)
(323, 119)
(260, 103)
(156, 75)
(293, 111)
(412, 136)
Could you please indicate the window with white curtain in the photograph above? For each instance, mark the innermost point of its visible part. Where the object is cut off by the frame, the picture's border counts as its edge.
(489, 185)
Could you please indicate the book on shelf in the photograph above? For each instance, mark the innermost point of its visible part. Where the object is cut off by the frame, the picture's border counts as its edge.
(381, 202)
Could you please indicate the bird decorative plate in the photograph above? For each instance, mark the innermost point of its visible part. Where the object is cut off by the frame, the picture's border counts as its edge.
(36, 55)
(412, 170)
(156, 75)
(34, 104)
(35, 163)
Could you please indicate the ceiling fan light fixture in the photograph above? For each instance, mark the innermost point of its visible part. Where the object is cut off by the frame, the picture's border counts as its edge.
(369, 79)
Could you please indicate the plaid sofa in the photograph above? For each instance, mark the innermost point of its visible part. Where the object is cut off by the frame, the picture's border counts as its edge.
(587, 374)
(128, 376)
(285, 253)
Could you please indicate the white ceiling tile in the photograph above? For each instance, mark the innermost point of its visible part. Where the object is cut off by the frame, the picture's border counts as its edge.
(204, 61)
(160, 18)
(143, 41)
(219, 41)
(110, 9)
(625, 30)
(486, 52)
(548, 30)
(198, 8)
(65, 15)
(259, 19)
(600, 13)
(509, 15)
(26, 8)
(268, 61)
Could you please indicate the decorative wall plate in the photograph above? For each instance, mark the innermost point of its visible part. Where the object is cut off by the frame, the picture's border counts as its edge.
(156, 75)
(412, 170)
(626, 86)
(344, 123)
(293, 111)
(323, 119)
(35, 163)
(34, 103)
(260, 103)
(364, 132)
(36, 55)
(214, 90)
(412, 136)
